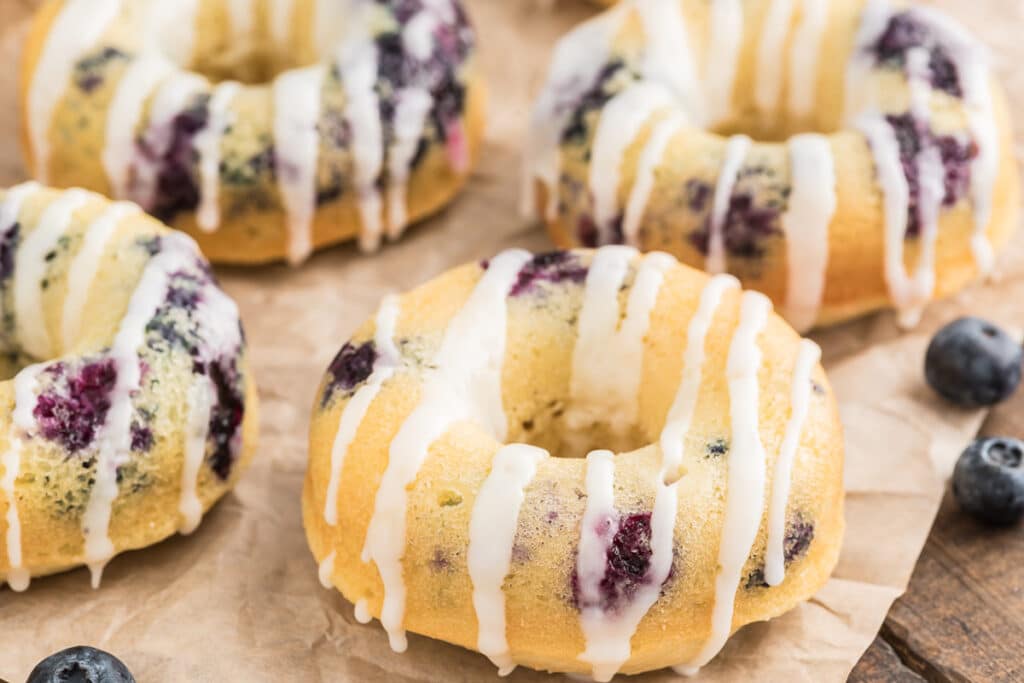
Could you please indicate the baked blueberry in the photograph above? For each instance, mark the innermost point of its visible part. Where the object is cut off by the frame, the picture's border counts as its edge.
(971, 362)
(81, 665)
(988, 481)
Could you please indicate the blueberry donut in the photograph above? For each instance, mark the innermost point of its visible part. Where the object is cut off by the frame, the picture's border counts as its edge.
(581, 461)
(841, 156)
(128, 408)
(263, 128)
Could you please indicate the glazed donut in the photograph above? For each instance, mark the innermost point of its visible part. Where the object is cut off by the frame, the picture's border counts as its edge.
(427, 508)
(128, 407)
(839, 156)
(263, 128)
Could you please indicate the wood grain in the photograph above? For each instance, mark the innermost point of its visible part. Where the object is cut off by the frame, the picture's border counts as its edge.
(962, 618)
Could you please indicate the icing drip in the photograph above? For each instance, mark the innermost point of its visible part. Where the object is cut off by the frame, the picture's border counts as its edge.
(75, 29)
(114, 439)
(242, 15)
(578, 58)
(735, 152)
(812, 204)
(650, 159)
(598, 389)
(597, 529)
(174, 26)
(410, 116)
(744, 497)
(30, 271)
(84, 266)
(357, 65)
(25, 383)
(774, 560)
(134, 89)
(724, 44)
(464, 384)
(620, 123)
(200, 401)
(669, 58)
(874, 18)
(296, 149)
(492, 530)
(326, 571)
(774, 30)
(804, 55)
(362, 612)
(207, 144)
(355, 410)
(280, 21)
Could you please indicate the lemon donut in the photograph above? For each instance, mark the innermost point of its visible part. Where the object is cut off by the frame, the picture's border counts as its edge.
(840, 156)
(426, 507)
(128, 408)
(263, 128)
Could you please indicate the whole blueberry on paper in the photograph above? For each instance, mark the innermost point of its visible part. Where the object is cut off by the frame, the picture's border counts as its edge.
(988, 481)
(972, 363)
(81, 665)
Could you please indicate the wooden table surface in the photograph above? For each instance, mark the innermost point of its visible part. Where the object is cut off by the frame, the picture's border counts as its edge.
(962, 618)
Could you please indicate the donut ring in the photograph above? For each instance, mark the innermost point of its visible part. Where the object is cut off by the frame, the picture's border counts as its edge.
(353, 119)
(426, 508)
(128, 408)
(651, 133)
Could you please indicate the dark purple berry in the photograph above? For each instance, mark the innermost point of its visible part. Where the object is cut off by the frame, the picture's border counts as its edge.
(554, 267)
(226, 415)
(76, 406)
(177, 188)
(972, 363)
(586, 231)
(905, 32)
(592, 98)
(349, 369)
(988, 480)
(142, 438)
(746, 228)
(81, 665)
(9, 240)
(627, 562)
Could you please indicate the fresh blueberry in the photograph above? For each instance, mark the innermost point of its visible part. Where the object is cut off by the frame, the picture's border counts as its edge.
(971, 362)
(81, 665)
(988, 481)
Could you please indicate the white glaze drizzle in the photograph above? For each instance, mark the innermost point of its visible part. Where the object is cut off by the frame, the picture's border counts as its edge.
(280, 20)
(355, 410)
(774, 557)
(114, 438)
(136, 86)
(668, 57)
(577, 60)
(972, 63)
(492, 530)
(804, 55)
(201, 395)
(362, 611)
(610, 633)
(413, 106)
(242, 15)
(464, 384)
(84, 266)
(326, 570)
(875, 16)
(736, 149)
(744, 497)
(173, 26)
(30, 270)
(171, 98)
(724, 45)
(597, 530)
(25, 383)
(207, 144)
(296, 150)
(774, 31)
(621, 121)
(357, 64)
(599, 390)
(650, 159)
(75, 29)
(812, 204)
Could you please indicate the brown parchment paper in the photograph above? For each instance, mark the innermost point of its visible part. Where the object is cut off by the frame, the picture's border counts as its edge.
(240, 601)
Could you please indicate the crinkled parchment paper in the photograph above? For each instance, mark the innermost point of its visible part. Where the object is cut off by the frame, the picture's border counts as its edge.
(239, 600)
